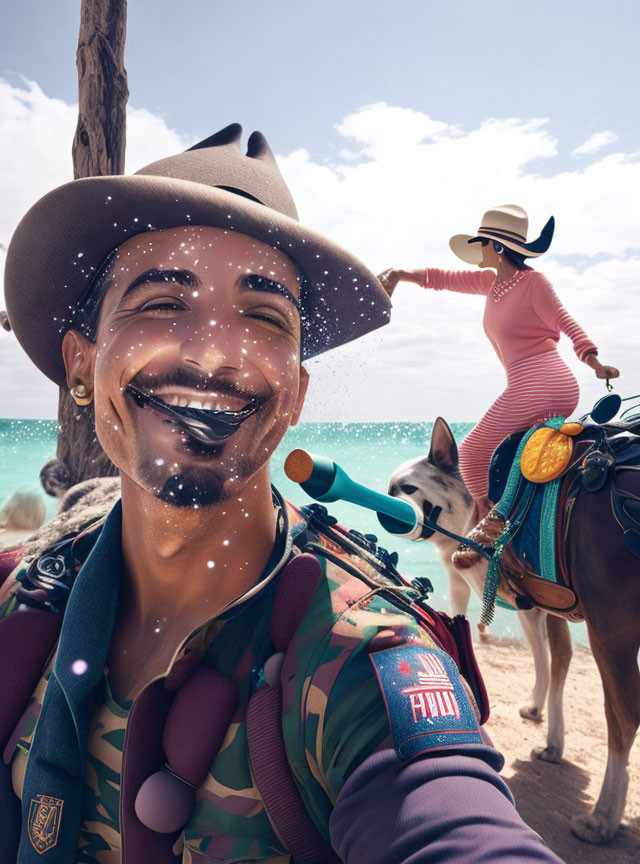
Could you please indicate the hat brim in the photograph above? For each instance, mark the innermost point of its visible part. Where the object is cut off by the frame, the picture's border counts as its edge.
(472, 252)
(66, 235)
(469, 252)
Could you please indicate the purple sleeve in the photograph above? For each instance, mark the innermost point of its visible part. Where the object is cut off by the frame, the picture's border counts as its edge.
(442, 809)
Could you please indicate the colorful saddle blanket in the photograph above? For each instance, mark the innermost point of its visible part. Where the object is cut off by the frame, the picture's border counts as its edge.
(526, 543)
(538, 513)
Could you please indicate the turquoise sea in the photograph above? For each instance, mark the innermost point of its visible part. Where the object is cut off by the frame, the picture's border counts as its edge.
(369, 452)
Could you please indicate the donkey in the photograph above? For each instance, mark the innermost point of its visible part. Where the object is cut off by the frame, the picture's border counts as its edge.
(607, 577)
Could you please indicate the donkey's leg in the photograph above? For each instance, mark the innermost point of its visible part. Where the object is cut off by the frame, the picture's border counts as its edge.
(618, 667)
(561, 652)
(459, 591)
(532, 622)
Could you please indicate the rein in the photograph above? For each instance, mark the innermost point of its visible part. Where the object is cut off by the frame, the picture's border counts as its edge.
(431, 524)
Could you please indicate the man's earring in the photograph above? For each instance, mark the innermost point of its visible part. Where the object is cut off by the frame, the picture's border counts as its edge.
(79, 394)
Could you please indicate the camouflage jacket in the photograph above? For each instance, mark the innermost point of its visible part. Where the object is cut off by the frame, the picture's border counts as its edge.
(66, 755)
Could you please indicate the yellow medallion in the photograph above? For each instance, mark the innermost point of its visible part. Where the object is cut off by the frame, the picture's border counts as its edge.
(547, 453)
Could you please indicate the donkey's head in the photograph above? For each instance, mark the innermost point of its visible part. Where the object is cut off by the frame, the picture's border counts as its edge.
(434, 481)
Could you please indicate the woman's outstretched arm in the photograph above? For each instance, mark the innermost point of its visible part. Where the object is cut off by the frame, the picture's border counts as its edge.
(461, 281)
(416, 276)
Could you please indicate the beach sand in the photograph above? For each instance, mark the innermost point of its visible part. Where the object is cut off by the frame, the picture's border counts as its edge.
(549, 795)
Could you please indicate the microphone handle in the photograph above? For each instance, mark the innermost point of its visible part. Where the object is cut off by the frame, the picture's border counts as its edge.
(395, 514)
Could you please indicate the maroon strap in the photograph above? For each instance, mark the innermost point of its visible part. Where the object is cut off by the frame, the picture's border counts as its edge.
(295, 589)
(275, 782)
(197, 723)
(267, 754)
(27, 638)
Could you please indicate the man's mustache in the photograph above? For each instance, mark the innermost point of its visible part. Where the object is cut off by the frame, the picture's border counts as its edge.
(193, 380)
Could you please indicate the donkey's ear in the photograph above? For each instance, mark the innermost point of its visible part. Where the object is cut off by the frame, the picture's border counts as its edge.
(443, 452)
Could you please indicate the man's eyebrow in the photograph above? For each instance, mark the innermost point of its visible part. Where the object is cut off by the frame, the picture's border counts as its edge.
(256, 282)
(179, 277)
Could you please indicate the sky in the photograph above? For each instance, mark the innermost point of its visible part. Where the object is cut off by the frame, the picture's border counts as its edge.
(395, 125)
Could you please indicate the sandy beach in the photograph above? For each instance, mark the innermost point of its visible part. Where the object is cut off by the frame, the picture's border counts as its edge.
(549, 795)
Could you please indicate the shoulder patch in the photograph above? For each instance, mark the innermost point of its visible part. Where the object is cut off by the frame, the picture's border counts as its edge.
(425, 699)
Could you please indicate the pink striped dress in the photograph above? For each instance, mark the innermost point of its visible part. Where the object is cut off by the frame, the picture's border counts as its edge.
(524, 327)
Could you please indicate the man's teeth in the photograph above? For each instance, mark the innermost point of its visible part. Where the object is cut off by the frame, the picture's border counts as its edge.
(186, 403)
(203, 404)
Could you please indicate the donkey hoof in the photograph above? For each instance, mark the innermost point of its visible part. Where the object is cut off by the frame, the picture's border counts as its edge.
(531, 712)
(547, 754)
(486, 636)
(593, 828)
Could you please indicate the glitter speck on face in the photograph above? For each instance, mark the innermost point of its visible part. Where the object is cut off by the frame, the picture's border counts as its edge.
(79, 667)
(211, 565)
(225, 542)
(160, 461)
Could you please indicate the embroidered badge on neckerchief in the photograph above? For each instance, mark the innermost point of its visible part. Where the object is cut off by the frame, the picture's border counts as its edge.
(44, 822)
(427, 704)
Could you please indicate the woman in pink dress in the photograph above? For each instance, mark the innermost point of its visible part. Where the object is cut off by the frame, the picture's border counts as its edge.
(523, 318)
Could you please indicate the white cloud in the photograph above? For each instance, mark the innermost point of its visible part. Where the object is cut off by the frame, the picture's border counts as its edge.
(406, 129)
(595, 142)
(402, 185)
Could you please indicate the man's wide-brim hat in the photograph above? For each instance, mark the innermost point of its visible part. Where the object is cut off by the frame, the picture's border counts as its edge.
(509, 225)
(63, 239)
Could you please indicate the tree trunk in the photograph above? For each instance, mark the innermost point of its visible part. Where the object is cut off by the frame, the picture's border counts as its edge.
(98, 149)
(99, 143)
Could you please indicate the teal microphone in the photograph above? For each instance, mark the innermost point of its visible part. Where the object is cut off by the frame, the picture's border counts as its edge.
(326, 481)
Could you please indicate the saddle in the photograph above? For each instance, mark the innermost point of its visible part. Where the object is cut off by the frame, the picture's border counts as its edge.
(533, 562)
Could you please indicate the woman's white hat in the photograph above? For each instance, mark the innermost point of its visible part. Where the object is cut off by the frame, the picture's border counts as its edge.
(508, 225)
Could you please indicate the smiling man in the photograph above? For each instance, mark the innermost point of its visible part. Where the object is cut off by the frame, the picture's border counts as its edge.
(168, 365)
(204, 675)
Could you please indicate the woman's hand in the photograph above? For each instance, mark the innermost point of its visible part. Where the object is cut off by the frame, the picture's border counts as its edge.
(601, 371)
(389, 279)
(607, 372)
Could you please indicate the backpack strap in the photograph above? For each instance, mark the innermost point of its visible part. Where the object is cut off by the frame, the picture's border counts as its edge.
(28, 634)
(267, 754)
(27, 638)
